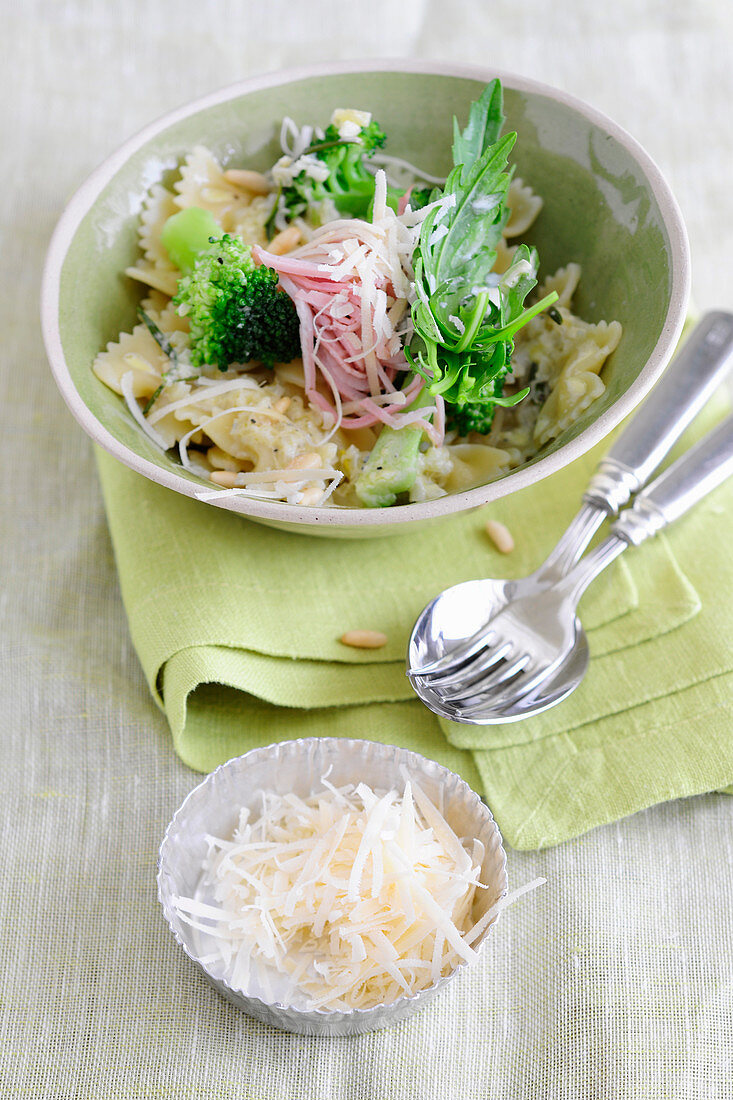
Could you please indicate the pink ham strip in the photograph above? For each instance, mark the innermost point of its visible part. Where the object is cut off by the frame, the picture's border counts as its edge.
(361, 373)
(404, 199)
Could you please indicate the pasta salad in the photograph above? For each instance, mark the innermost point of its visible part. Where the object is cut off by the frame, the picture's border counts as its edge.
(346, 330)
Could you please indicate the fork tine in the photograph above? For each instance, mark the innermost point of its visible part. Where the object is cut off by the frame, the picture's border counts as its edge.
(468, 686)
(513, 692)
(440, 706)
(485, 660)
(501, 676)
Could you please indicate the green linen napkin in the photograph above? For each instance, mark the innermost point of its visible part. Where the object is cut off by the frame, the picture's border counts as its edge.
(237, 627)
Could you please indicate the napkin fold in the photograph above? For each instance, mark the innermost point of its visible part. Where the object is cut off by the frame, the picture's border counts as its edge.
(237, 627)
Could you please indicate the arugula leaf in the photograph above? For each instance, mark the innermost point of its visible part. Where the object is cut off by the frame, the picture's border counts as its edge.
(458, 239)
(160, 337)
(485, 123)
(466, 314)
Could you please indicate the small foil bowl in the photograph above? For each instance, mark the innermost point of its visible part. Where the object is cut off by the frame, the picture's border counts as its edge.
(213, 808)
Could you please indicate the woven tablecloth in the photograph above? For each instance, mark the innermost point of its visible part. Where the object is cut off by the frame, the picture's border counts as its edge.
(615, 980)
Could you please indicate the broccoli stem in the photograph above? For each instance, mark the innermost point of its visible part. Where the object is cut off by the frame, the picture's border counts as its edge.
(392, 465)
(188, 233)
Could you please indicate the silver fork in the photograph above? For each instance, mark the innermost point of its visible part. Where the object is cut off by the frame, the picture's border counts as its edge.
(677, 398)
(531, 637)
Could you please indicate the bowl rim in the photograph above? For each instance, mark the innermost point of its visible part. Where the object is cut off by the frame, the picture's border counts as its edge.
(297, 516)
(358, 1017)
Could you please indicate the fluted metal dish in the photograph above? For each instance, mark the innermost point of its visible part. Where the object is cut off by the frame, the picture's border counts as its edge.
(213, 808)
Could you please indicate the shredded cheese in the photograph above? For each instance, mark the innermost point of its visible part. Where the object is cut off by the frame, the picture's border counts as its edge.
(347, 899)
(126, 385)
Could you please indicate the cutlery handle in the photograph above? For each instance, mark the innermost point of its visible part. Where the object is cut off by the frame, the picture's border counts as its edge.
(686, 385)
(700, 470)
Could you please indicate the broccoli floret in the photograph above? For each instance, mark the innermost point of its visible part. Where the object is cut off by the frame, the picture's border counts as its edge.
(421, 196)
(236, 311)
(470, 418)
(474, 411)
(349, 185)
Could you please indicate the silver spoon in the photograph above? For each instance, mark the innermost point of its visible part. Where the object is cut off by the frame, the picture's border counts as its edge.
(536, 637)
(550, 692)
(453, 626)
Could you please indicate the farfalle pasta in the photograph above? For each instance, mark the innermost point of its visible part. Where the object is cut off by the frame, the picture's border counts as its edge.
(306, 429)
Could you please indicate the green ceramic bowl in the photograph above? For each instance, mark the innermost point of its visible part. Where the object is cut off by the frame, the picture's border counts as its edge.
(606, 206)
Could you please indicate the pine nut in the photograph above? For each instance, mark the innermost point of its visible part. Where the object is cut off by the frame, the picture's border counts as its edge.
(281, 404)
(310, 461)
(226, 478)
(500, 535)
(254, 182)
(283, 242)
(364, 639)
(311, 496)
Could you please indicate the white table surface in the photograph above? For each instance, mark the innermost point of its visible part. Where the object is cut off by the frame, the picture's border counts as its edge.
(614, 981)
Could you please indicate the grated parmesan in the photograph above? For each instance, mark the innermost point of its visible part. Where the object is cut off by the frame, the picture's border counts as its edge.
(347, 899)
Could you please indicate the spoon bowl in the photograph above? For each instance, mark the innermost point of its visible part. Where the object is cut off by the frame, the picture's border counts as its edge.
(453, 617)
(481, 709)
